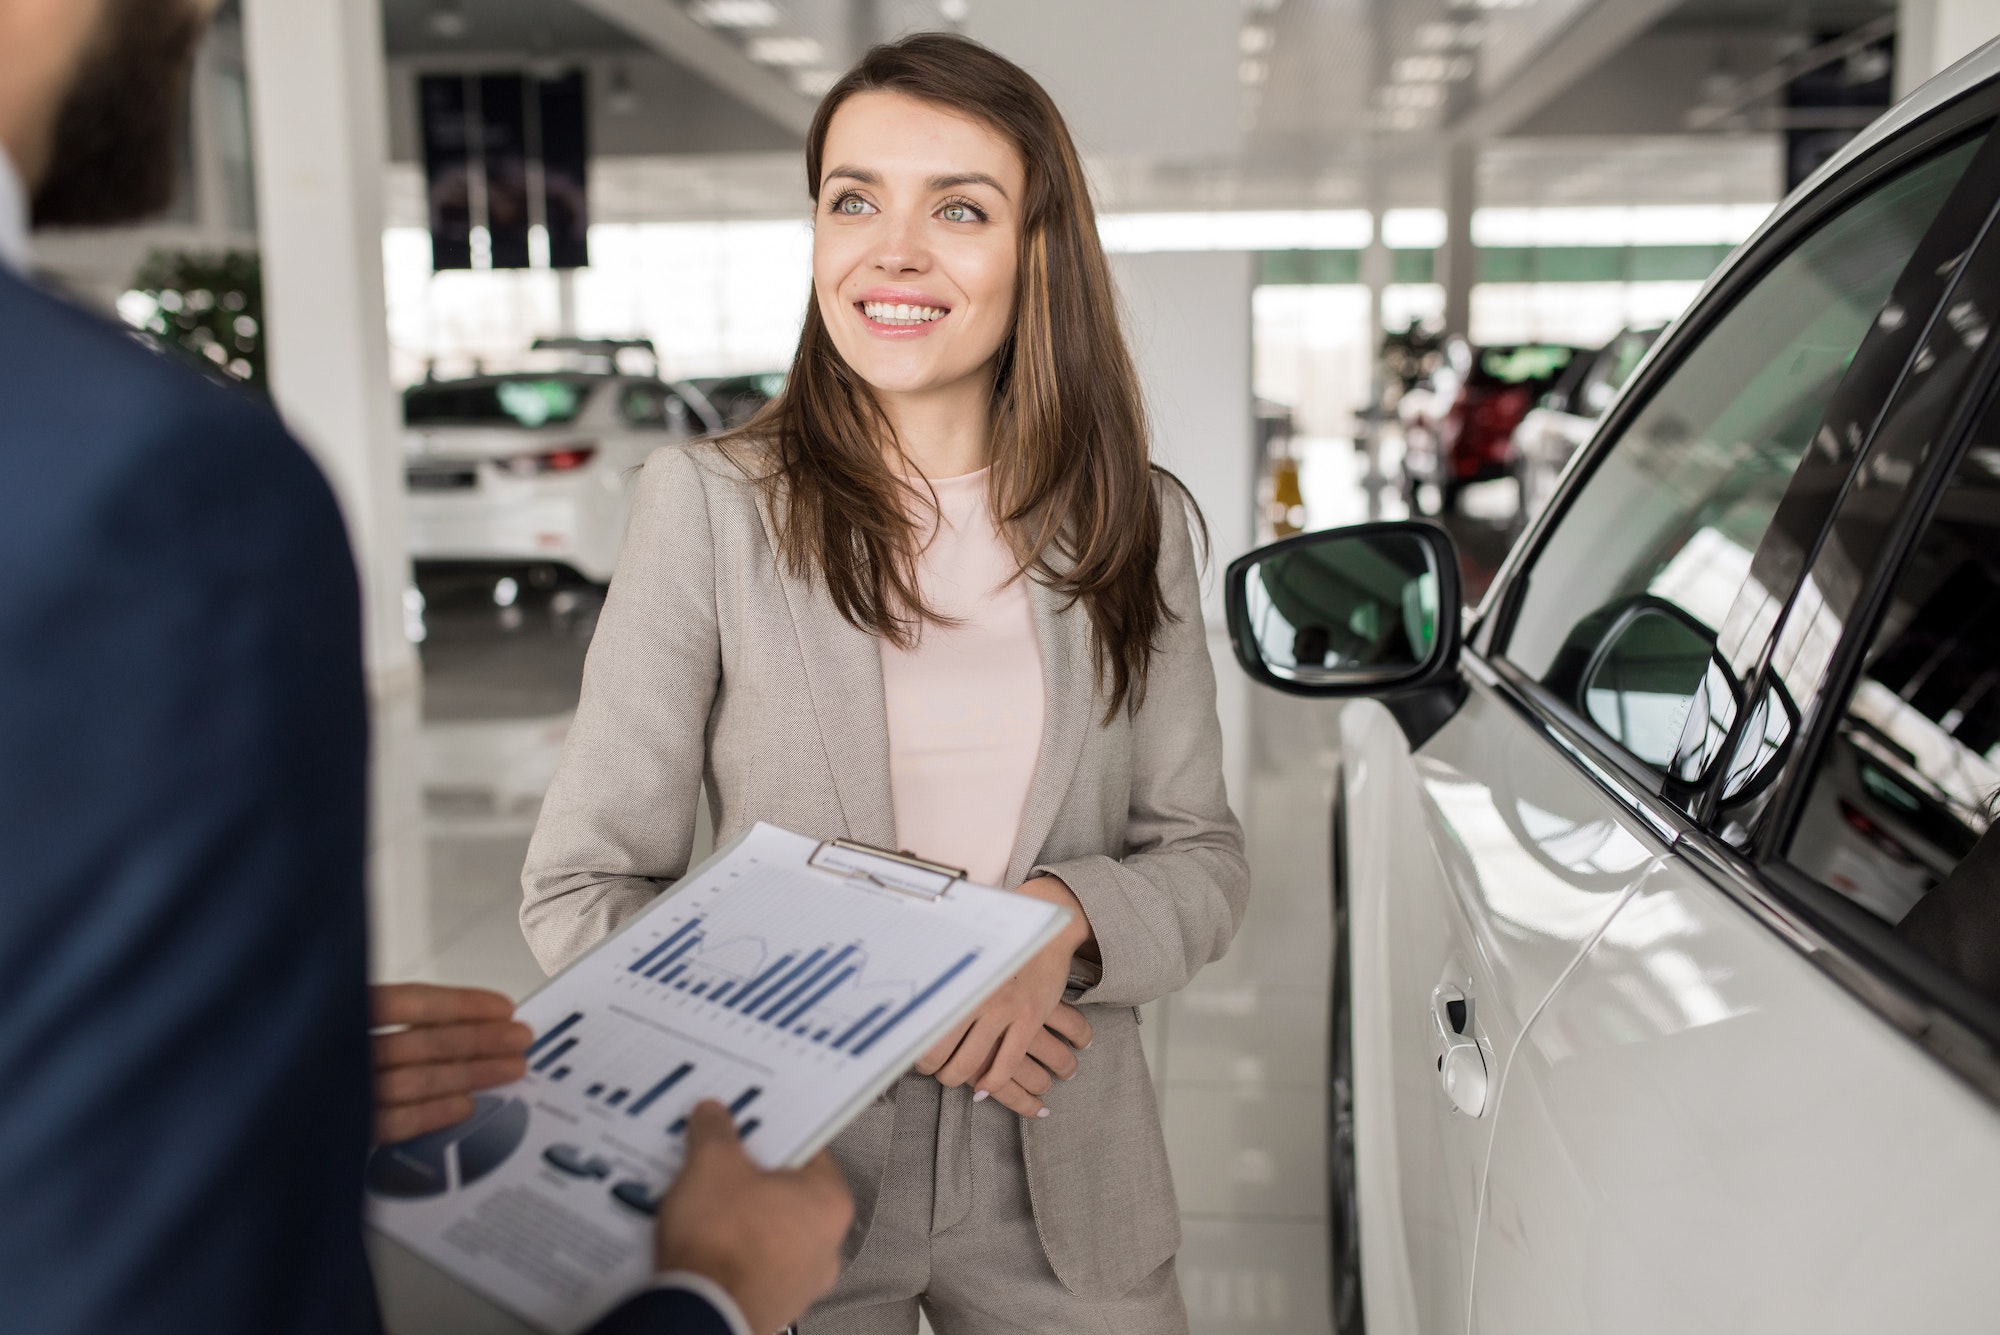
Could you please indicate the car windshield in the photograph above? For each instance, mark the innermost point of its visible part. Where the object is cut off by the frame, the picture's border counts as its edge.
(523, 401)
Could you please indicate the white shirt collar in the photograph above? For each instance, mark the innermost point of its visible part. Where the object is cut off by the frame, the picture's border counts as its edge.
(13, 217)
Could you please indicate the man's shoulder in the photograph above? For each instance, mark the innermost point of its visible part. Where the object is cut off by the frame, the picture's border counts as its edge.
(91, 410)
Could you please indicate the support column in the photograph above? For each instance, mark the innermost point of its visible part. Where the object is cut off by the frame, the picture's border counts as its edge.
(316, 97)
(317, 116)
(1932, 35)
(1189, 328)
(1458, 258)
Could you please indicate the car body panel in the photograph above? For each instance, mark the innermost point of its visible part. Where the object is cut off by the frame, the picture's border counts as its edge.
(1703, 1132)
(1719, 1122)
(1519, 863)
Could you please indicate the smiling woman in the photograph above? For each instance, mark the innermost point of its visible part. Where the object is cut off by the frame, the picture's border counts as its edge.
(934, 597)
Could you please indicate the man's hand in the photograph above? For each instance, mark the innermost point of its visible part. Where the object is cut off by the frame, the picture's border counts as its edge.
(771, 1239)
(1026, 1018)
(433, 1047)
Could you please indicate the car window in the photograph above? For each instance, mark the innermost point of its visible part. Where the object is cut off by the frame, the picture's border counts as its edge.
(523, 401)
(652, 408)
(1900, 806)
(1626, 597)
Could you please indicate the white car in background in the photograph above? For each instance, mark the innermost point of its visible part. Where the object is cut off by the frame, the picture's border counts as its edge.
(1666, 990)
(533, 468)
(1566, 418)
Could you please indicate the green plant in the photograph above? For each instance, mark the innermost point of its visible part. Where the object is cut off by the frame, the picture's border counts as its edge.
(208, 306)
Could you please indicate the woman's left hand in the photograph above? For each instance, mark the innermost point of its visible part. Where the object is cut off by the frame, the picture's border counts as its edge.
(987, 1050)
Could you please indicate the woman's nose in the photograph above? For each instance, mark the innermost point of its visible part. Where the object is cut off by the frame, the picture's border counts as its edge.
(903, 249)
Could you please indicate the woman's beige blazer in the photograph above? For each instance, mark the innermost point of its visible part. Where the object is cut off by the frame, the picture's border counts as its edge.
(711, 664)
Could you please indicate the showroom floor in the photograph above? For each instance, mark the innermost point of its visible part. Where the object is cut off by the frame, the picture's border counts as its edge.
(1239, 1057)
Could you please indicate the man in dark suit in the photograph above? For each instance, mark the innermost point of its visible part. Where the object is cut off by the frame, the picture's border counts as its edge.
(184, 1020)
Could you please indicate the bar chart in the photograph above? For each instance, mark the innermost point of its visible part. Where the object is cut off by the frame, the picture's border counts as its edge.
(819, 994)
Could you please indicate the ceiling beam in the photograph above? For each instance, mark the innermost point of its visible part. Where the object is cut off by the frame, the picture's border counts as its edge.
(666, 27)
(1599, 33)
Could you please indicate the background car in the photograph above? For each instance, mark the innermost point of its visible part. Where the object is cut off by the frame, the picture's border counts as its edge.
(1559, 425)
(1666, 883)
(1461, 431)
(532, 468)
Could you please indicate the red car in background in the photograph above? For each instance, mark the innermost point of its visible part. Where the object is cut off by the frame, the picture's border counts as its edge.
(1461, 429)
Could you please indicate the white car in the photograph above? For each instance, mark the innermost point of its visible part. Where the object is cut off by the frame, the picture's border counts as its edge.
(1557, 427)
(534, 468)
(1667, 901)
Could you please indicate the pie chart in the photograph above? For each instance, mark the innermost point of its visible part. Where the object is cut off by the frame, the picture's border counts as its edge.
(454, 1157)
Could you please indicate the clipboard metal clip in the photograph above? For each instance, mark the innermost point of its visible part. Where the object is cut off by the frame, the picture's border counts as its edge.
(905, 873)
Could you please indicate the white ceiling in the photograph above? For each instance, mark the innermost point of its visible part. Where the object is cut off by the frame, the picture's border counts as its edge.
(1192, 104)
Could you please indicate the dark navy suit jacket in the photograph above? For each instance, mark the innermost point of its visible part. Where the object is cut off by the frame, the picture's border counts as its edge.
(184, 1082)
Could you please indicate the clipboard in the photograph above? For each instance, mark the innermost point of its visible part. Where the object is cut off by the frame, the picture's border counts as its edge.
(790, 979)
(905, 873)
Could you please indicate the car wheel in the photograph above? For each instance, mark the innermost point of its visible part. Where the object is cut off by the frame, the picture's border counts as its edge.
(1343, 1223)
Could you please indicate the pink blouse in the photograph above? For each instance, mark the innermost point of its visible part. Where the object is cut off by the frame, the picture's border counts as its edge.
(965, 704)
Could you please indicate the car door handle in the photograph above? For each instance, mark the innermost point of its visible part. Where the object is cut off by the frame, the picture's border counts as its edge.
(1461, 1065)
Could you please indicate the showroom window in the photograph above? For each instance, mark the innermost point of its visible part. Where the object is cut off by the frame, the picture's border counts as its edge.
(1626, 598)
(1899, 809)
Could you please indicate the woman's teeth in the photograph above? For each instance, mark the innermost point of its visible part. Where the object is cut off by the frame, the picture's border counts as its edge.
(885, 312)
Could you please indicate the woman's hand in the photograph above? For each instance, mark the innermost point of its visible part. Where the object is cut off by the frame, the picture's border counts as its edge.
(1025, 1018)
(433, 1047)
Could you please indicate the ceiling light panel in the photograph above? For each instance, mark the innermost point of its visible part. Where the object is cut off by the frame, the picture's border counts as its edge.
(1433, 69)
(1447, 36)
(1412, 96)
(789, 52)
(735, 13)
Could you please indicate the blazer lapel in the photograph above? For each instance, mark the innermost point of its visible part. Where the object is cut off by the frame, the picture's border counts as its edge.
(1069, 705)
(843, 671)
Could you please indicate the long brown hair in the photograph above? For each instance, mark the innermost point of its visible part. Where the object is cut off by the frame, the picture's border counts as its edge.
(1071, 484)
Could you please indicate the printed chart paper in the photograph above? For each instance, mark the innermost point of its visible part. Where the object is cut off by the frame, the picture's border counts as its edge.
(791, 993)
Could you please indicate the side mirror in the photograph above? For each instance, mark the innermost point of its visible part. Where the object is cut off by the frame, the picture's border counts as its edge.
(1367, 610)
(1655, 674)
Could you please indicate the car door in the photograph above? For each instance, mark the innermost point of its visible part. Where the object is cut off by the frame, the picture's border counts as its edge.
(1709, 1125)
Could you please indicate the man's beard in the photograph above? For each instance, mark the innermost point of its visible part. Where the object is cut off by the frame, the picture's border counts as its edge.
(116, 156)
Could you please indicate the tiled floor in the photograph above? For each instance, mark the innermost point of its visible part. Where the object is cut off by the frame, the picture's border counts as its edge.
(1239, 1058)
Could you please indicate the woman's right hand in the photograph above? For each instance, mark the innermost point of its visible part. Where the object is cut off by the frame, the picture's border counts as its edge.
(1065, 1033)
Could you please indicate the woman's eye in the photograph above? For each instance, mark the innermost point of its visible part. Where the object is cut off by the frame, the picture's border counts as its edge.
(852, 205)
(959, 213)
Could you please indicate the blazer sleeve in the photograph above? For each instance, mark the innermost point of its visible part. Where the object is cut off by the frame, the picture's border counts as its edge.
(665, 1311)
(617, 823)
(1173, 902)
(184, 1063)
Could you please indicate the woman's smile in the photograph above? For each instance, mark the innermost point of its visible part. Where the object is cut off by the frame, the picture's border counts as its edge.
(900, 312)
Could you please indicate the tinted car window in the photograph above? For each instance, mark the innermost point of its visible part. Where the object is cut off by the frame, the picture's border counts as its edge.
(1907, 788)
(652, 407)
(525, 401)
(1658, 541)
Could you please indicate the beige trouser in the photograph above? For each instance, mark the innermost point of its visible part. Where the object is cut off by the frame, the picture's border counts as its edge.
(954, 1233)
